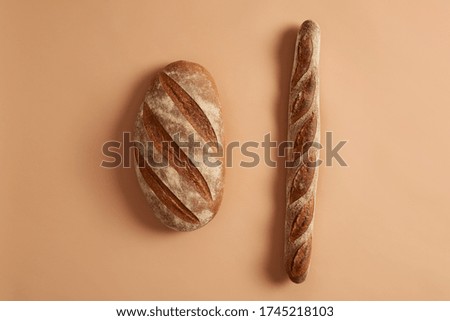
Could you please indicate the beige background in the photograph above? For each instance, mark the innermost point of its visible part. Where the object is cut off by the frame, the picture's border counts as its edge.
(72, 75)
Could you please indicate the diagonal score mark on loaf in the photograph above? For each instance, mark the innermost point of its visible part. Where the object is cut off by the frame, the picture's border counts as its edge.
(189, 108)
(176, 156)
(164, 194)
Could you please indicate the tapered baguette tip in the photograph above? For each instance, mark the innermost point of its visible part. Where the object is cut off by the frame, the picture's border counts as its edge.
(298, 279)
(309, 25)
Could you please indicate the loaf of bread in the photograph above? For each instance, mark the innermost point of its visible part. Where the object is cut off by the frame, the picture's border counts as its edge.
(303, 130)
(179, 121)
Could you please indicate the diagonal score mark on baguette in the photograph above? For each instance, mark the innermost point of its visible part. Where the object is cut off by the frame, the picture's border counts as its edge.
(189, 108)
(164, 194)
(304, 174)
(304, 55)
(176, 156)
(303, 102)
(300, 262)
(302, 221)
(301, 182)
(305, 136)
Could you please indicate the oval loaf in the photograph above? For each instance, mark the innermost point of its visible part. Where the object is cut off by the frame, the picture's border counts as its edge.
(179, 121)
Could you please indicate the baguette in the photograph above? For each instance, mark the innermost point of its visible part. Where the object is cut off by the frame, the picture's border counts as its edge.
(182, 106)
(303, 130)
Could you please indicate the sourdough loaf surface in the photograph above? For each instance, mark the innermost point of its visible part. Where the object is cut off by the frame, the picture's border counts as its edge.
(180, 114)
(303, 130)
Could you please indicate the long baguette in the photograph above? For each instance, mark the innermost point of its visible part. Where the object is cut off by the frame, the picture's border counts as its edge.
(303, 130)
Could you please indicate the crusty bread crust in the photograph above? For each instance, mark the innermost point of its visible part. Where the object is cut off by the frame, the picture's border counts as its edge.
(183, 100)
(303, 130)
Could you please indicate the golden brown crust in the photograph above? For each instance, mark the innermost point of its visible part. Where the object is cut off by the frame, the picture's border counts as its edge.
(303, 129)
(182, 103)
(188, 107)
(163, 192)
(305, 136)
(305, 51)
(175, 155)
(303, 101)
(302, 221)
(300, 262)
(301, 182)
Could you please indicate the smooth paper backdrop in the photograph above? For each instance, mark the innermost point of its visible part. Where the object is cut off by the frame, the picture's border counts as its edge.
(72, 76)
